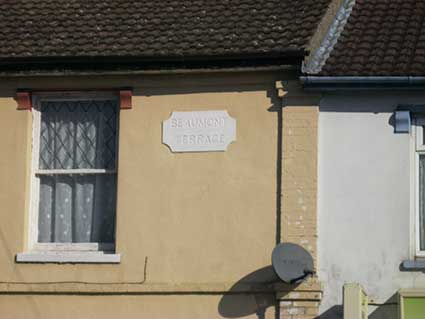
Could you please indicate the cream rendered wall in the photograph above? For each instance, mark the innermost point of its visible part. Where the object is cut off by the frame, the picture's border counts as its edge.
(364, 199)
(189, 225)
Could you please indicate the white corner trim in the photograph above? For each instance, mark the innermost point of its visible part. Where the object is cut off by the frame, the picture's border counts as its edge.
(62, 257)
(320, 56)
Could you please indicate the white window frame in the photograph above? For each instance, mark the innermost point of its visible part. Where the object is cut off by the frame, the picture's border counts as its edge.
(59, 250)
(419, 149)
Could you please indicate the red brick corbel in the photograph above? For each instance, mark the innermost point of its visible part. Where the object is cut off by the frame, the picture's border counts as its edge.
(24, 100)
(125, 99)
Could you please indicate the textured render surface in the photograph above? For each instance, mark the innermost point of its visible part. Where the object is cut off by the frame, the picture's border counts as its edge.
(111, 307)
(381, 38)
(156, 28)
(299, 176)
(173, 208)
(299, 192)
(364, 200)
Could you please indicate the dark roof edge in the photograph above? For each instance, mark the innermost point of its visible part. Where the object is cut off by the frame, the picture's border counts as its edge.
(53, 73)
(290, 56)
(331, 83)
(154, 58)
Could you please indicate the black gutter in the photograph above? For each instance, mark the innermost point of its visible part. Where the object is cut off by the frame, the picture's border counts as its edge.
(332, 83)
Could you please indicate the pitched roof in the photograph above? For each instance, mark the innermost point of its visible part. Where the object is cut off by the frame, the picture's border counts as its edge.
(151, 29)
(380, 38)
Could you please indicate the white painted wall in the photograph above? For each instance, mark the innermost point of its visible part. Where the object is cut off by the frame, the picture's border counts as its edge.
(364, 199)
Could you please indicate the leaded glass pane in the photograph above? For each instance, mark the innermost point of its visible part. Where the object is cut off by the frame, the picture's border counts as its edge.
(77, 208)
(78, 134)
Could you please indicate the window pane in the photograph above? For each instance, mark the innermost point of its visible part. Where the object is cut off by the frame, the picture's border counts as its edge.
(77, 208)
(78, 134)
(422, 201)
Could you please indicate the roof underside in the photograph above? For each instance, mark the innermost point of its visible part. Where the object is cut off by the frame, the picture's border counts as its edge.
(35, 31)
(381, 38)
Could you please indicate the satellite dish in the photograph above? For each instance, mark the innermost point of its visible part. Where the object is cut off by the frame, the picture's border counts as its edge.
(292, 263)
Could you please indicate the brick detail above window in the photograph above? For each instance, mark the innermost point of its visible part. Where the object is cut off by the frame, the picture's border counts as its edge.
(24, 100)
(125, 99)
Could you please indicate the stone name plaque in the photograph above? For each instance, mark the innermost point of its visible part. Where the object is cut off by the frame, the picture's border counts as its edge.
(202, 131)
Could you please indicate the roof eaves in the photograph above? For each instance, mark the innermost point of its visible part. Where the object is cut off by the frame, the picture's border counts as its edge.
(105, 63)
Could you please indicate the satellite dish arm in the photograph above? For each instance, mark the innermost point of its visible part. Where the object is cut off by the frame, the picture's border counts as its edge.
(307, 272)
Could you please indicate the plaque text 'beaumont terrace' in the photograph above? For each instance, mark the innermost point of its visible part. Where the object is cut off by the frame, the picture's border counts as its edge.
(200, 131)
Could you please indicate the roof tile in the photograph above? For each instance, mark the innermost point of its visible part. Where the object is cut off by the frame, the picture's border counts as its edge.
(45, 28)
(387, 35)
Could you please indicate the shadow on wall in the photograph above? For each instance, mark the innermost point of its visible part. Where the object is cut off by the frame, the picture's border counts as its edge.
(335, 312)
(253, 294)
(387, 310)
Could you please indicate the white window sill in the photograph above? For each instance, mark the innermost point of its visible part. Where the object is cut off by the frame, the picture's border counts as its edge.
(71, 257)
